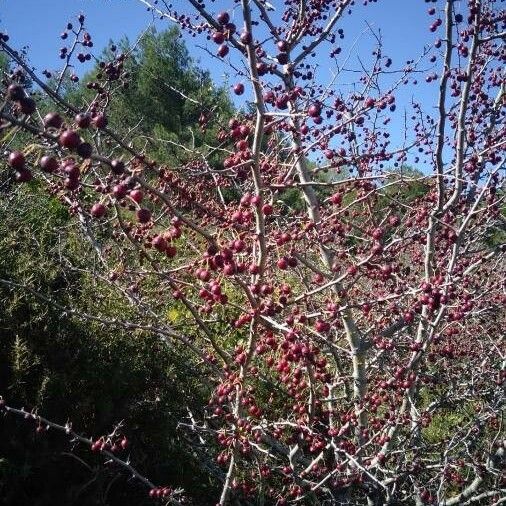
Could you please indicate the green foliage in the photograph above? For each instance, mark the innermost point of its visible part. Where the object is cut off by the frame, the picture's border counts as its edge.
(292, 199)
(405, 182)
(4, 63)
(164, 96)
(92, 374)
(444, 423)
(496, 236)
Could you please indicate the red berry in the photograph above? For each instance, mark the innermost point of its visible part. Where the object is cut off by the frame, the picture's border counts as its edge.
(71, 184)
(23, 176)
(336, 199)
(119, 190)
(377, 233)
(282, 263)
(85, 150)
(314, 110)
(53, 120)
(159, 243)
(394, 220)
(143, 215)
(69, 139)
(321, 326)
(17, 160)
(137, 196)
(219, 37)
(223, 18)
(223, 50)
(267, 209)
(239, 89)
(72, 170)
(48, 163)
(83, 120)
(229, 269)
(171, 251)
(282, 46)
(117, 167)
(245, 37)
(98, 210)
(99, 120)
(15, 92)
(282, 58)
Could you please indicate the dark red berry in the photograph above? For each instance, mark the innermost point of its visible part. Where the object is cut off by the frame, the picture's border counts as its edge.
(136, 196)
(48, 164)
(99, 120)
(17, 160)
(239, 89)
(69, 139)
(98, 210)
(27, 105)
(53, 120)
(245, 37)
(282, 58)
(223, 18)
(15, 92)
(143, 215)
(117, 167)
(282, 46)
(83, 120)
(119, 190)
(85, 150)
(314, 110)
(71, 184)
(218, 37)
(23, 176)
(223, 50)
(159, 243)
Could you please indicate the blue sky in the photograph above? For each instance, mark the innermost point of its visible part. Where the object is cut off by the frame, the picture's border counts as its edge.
(38, 23)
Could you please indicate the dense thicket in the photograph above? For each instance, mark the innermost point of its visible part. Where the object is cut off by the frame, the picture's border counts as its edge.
(253, 307)
(93, 375)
